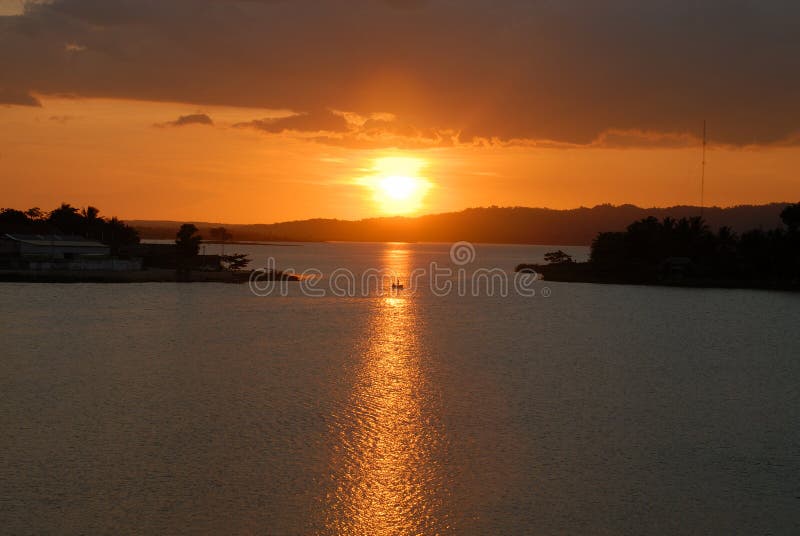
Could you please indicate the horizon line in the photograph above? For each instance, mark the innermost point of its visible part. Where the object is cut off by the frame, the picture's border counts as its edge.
(433, 214)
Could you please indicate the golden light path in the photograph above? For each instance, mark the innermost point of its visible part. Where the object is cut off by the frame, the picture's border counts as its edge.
(390, 481)
(397, 184)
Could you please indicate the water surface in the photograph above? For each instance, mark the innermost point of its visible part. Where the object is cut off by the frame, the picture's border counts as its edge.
(203, 409)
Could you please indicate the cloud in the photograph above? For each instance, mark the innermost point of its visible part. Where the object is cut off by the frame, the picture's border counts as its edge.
(61, 118)
(384, 130)
(191, 119)
(74, 47)
(14, 97)
(407, 4)
(638, 139)
(349, 129)
(321, 120)
(572, 71)
(107, 12)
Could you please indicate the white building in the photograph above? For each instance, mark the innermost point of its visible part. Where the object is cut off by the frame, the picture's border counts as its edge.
(53, 247)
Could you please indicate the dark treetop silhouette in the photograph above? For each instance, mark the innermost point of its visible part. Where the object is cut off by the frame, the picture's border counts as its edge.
(124, 260)
(69, 220)
(688, 252)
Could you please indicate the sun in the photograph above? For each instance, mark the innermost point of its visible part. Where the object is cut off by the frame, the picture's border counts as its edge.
(397, 184)
(399, 188)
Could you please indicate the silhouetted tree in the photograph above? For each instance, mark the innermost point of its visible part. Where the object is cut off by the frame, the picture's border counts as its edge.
(67, 219)
(188, 241)
(558, 257)
(791, 217)
(220, 234)
(726, 251)
(91, 214)
(608, 249)
(650, 249)
(187, 245)
(34, 214)
(93, 224)
(12, 216)
(236, 261)
(116, 233)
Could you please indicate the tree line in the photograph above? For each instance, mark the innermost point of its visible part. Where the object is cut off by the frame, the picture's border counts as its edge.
(69, 220)
(510, 225)
(188, 240)
(650, 247)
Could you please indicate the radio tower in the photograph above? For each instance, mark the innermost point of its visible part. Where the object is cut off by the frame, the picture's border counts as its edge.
(703, 173)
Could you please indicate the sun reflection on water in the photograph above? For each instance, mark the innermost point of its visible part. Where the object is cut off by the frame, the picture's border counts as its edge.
(388, 480)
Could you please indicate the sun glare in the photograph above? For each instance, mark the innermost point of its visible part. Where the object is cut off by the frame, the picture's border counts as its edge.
(397, 184)
(399, 188)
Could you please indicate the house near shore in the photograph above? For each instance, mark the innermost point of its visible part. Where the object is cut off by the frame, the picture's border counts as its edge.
(59, 252)
(51, 247)
(75, 253)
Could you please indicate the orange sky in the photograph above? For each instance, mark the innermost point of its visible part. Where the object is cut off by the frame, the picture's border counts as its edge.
(120, 156)
(260, 111)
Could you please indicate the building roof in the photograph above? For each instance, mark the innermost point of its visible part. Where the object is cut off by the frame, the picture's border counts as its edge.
(55, 240)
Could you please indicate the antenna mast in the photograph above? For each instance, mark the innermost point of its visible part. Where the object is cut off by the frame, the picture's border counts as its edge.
(703, 173)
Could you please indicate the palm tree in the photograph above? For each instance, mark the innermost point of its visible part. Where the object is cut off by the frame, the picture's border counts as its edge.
(187, 243)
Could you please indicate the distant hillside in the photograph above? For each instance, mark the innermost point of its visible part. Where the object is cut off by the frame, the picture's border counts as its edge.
(513, 225)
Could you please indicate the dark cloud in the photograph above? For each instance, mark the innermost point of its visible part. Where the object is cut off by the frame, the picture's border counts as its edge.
(323, 120)
(639, 139)
(109, 12)
(15, 97)
(407, 4)
(571, 71)
(191, 119)
(350, 130)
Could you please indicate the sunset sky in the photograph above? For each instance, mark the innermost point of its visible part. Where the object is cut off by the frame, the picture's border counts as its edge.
(263, 111)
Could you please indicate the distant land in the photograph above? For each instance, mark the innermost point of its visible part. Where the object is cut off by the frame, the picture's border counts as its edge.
(501, 225)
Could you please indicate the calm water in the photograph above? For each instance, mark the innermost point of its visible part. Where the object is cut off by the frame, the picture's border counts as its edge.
(203, 409)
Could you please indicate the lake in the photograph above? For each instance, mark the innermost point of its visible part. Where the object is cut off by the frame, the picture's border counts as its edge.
(547, 408)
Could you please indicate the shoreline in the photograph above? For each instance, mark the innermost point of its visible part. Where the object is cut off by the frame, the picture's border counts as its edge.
(153, 275)
(239, 243)
(584, 272)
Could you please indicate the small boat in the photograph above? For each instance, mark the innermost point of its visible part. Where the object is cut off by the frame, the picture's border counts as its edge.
(397, 285)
